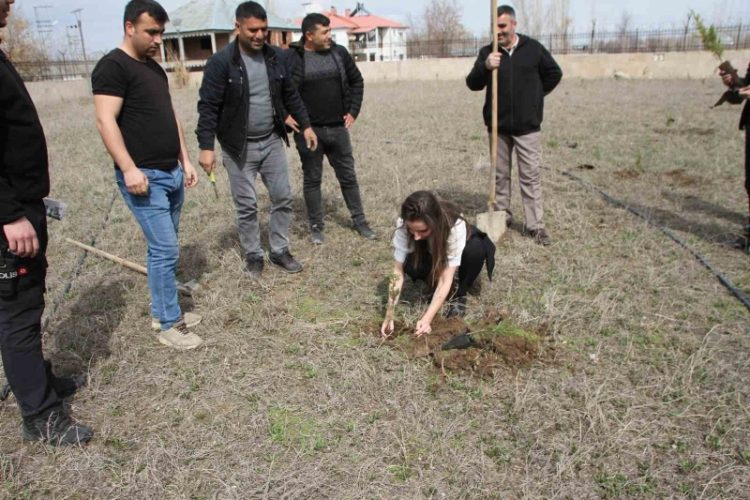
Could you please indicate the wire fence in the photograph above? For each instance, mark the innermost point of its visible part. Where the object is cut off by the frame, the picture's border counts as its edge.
(62, 69)
(593, 42)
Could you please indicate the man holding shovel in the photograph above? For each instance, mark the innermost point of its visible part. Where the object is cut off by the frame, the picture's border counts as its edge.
(137, 123)
(743, 85)
(24, 182)
(527, 72)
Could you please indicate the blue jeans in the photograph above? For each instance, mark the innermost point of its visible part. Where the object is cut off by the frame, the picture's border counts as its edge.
(158, 214)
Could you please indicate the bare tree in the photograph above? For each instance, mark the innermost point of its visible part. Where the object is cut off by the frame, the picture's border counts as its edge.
(560, 21)
(443, 26)
(531, 16)
(20, 45)
(623, 27)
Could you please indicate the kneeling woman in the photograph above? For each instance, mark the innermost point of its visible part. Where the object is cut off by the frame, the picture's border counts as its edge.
(432, 241)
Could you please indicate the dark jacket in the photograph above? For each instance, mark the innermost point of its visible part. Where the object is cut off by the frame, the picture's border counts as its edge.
(225, 98)
(24, 176)
(745, 117)
(525, 78)
(352, 83)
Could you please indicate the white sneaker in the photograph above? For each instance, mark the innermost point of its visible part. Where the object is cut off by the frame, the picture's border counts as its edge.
(191, 320)
(180, 337)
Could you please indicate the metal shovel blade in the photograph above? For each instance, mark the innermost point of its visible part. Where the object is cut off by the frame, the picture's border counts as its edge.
(493, 223)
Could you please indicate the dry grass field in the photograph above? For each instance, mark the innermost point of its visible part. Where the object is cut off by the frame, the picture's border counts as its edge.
(640, 387)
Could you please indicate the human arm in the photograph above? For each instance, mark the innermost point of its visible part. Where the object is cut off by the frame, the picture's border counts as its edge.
(211, 102)
(745, 92)
(395, 282)
(356, 87)
(21, 237)
(297, 113)
(478, 77)
(549, 71)
(438, 299)
(107, 109)
(210, 106)
(191, 178)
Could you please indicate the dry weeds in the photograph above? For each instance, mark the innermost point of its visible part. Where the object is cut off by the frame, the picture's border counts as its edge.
(645, 392)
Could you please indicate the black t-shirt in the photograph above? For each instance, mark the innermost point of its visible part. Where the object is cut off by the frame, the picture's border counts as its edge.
(147, 119)
(321, 89)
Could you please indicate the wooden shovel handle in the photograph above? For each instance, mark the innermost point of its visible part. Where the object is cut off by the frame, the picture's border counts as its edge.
(114, 258)
(493, 134)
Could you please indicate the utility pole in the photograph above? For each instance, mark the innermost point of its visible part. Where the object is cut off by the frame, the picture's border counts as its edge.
(77, 13)
(44, 28)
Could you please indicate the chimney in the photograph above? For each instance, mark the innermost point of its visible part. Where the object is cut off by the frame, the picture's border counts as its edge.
(348, 12)
(333, 10)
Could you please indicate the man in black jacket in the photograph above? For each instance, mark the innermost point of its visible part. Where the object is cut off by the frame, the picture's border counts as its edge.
(743, 85)
(24, 182)
(244, 100)
(527, 74)
(331, 87)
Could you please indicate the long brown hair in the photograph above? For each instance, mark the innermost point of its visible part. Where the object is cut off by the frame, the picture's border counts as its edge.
(438, 215)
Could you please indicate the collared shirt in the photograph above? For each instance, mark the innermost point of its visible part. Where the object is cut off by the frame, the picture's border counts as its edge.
(403, 245)
(512, 47)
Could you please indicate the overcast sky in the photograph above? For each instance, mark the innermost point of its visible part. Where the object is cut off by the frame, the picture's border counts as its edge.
(102, 19)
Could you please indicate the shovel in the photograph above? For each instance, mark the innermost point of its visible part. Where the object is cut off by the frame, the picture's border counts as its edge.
(493, 221)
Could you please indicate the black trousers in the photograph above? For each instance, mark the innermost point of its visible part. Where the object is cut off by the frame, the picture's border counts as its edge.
(27, 372)
(472, 260)
(336, 145)
(747, 166)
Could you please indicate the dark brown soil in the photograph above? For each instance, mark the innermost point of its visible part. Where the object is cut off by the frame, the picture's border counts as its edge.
(627, 173)
(678, 177)
(497, 346)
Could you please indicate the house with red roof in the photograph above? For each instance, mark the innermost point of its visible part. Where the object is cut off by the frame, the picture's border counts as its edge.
(367, 36)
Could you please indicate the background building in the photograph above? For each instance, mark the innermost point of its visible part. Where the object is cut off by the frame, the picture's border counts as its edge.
(368, 37)
(201, 27)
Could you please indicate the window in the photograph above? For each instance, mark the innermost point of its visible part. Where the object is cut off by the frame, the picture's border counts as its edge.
(206, 43)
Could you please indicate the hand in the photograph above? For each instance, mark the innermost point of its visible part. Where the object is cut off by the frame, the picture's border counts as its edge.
(493, 61)
(727, 78)
(423, 327)
(21, 237)
(207, 160)
(292, 123)
(387, 329)
(745, 92)
(349, 120)
(136, 182)
(310, 139)
(191, 177)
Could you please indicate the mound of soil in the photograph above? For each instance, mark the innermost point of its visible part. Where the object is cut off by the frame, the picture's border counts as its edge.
(680, 178)
(627, 173)
(493, 345)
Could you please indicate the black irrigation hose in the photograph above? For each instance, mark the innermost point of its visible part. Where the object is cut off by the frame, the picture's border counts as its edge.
(700, 258)
(79, 266)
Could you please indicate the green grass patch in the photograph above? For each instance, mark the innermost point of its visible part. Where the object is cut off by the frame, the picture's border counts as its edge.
(291, 430)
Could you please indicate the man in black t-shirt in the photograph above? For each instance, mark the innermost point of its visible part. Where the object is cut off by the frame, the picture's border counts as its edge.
(138, 126)
(24, 182)
(331, 87)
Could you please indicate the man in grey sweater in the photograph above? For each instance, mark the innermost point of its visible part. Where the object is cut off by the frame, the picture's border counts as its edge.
(244, 100)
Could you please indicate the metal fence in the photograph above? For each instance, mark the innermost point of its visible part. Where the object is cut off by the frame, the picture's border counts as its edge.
(593, 42)
(54, 69)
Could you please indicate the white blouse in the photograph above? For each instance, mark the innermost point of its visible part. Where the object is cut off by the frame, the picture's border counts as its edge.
(402, 246)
